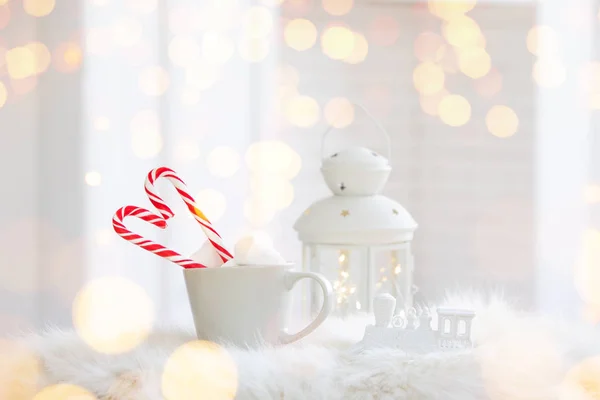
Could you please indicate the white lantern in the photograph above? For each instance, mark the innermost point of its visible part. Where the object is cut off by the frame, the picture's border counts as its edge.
(358, 238)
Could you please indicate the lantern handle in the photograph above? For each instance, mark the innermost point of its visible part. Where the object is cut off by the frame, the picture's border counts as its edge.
(388, 141)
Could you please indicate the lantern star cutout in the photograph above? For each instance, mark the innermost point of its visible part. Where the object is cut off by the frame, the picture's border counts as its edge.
(345, 213)
(342, 186)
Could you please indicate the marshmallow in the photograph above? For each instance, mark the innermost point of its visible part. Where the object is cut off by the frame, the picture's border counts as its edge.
(230, 263)
(208, 256)
(260, 254)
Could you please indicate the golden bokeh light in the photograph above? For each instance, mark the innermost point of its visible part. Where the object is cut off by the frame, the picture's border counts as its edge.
(201, 75)
(254, 50)
(474, 62)
(184, 51)
(38, 8)
(93, 178)
(300, 34)
(20, 62)
(549, 73)
(186, 149)
(448, 10)
(587, 273)
(302, 111)
(4, 15)
(273, 157)
(489, 85)
(217, 48)
(113, 315)
(21, 370)
(41, 54)
(454, 110)
(273, 191)
(297, 8)
(338, 7)
(384, 30)
(502, 121)
(64, 391)
(126, 31)
(153, 81)
(190, 96)
(142, 6)
(591, 193)
(67, 57)
(257, 22)
(3, 94)
(146, 140)
(428, 78)
(223, 162)
(430, 103)
(584, 379)
(360, 50)
(543, 41)
(594, 101)
(339, 112)
(258, 213)
(23, 86)
(462, 31)
(101, 123)
(200, 367)
(337, 42)
(590, 77)
(449, 61)
(429, 46)
(213, 203)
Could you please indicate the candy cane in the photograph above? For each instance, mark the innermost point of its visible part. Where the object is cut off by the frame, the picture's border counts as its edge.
(149, 245)
(166, 212)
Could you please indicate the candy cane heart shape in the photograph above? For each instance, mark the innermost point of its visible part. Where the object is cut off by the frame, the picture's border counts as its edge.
(146, 244)
(166, 212)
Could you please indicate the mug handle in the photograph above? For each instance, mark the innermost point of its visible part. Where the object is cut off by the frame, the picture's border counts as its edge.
(291, 278)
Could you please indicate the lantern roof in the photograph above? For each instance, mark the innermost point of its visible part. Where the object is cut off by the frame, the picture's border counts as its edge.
(356, 220)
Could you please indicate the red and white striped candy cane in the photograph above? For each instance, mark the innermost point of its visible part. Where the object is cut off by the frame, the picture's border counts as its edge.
(166, 212)
(149, 245)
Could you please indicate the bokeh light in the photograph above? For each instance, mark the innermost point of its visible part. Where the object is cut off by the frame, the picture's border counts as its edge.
(360, 50)
(543, 41)
(454, 110)
(474, 62)
(297, 8)
(591, 193)
(4, 15)
(430, 103)
(201, 75)
(41, 55)
(213, 203)
(384, 30)
(448, 10)
(300, 34)
(101, 123)
(587, 273)
(64, 391)
(146, 140)
(126, 31)
(428, 78)
(38, 8)
(3, 94)
(448, 62)
(272, 191)
(223, 162)
(489, 85)
(273, 157)
(429, 46)
(254, 50)
(142, 6)
(184, 51)
(339, 112)
(462, 31)
(589, 81)
(257, 22)
(583, 380)
(502, 121)
(20, 62)
(337, 42)
(217, 48)
(67, 57)
(302, 111)
(93, 178)
(549, 73)
(338, 7)
(112, 315)
(200, 367)
(21, 370)
(23, 86)
(154, 81)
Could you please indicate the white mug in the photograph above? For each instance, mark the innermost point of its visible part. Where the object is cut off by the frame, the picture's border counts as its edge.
(248, 306)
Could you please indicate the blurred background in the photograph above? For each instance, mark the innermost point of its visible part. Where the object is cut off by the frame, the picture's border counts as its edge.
(491, 105)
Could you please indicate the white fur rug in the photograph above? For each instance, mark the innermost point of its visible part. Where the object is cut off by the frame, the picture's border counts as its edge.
(518, 357)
